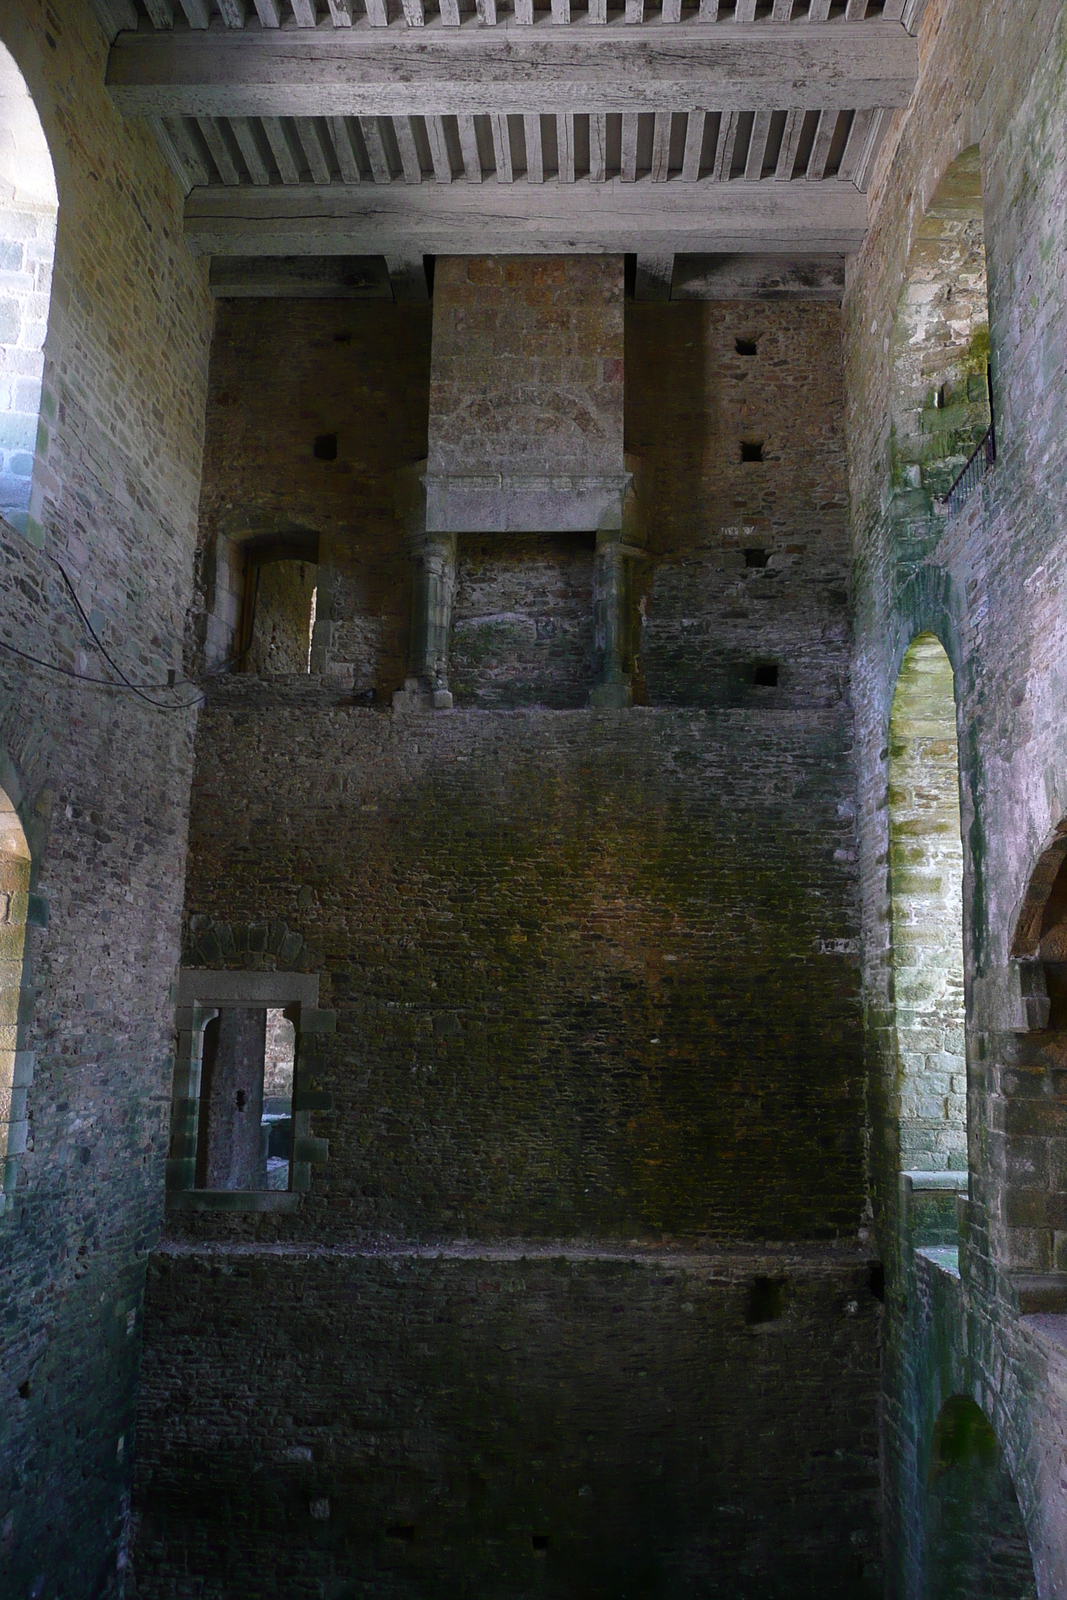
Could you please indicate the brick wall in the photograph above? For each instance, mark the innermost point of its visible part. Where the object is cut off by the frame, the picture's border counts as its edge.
(101, 781)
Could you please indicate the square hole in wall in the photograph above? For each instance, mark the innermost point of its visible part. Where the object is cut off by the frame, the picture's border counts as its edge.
(756, 558)
(765, 674)
(325, 448)
(751, 449)
(745, 347)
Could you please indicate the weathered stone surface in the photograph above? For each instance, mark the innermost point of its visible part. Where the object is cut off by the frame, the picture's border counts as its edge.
(521, 1421)
(101, 782)
(989, 585)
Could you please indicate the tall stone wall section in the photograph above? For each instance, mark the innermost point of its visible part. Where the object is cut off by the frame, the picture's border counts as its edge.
(989, 583)
(101, 780)
(595, 980)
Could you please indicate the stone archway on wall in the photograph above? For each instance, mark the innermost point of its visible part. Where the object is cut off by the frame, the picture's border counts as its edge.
(976, 1542)
(941, 405)
(29, 206)
(926, 883)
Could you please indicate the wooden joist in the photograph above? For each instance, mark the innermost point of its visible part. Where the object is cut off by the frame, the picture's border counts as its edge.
(535, 159)
(121, 15)
(390, 71)
(405, 220)
(698, 145)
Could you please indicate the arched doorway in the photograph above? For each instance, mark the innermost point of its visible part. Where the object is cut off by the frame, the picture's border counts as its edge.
(941, 396)
(926, 881)
(28, 209)
(976, 1541)
(14, 1080)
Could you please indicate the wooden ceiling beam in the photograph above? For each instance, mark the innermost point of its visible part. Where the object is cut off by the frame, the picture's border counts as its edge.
(400, 71)
(406, 220)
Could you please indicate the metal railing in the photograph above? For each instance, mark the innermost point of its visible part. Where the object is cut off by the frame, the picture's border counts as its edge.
(973, 473)
(979, 463)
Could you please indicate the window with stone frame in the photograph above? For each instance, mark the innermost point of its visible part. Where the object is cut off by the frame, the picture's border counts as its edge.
(249, 1048)
(244, 1135)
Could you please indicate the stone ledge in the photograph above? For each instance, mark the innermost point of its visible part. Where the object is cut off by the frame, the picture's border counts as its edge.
(946, 1258)
(922, 1182)
(733, 1261)
(1040, 1292)
(233, 1200)
(511, 502)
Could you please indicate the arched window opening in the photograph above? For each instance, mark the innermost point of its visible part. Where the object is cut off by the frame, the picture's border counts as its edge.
(28, 208)
(976, 1541)
(926, 879)
(280, 605)
(942, 409)
(14, 905)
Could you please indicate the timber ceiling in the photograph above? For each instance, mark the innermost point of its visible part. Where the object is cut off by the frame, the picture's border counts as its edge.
(412, 127)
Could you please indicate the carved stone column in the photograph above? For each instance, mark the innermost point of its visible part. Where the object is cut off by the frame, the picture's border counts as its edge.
(433, 588)
(617, 551)
(433, 591)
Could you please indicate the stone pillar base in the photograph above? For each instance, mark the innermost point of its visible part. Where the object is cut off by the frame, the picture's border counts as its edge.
(416, 696)
(618, 696)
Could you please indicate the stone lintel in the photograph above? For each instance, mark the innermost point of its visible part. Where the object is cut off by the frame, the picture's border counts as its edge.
(212, 988)
(504, 502)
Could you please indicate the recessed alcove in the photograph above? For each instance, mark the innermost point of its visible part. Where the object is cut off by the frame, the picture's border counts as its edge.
(522, 623)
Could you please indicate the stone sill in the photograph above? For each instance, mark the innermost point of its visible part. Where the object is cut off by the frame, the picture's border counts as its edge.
(917, 1182)
(283, 1200)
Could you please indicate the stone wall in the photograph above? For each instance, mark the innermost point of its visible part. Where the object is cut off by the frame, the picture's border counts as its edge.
(591, 972)
(989, 584)
(527, 365)
(750, 559)
(284, 373)
(561, 1422)
(100, 777)
(594, 975)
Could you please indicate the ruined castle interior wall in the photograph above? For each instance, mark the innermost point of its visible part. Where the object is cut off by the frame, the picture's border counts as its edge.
(988, 583)
(594, 977)
(285, 374)
(100, 782)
